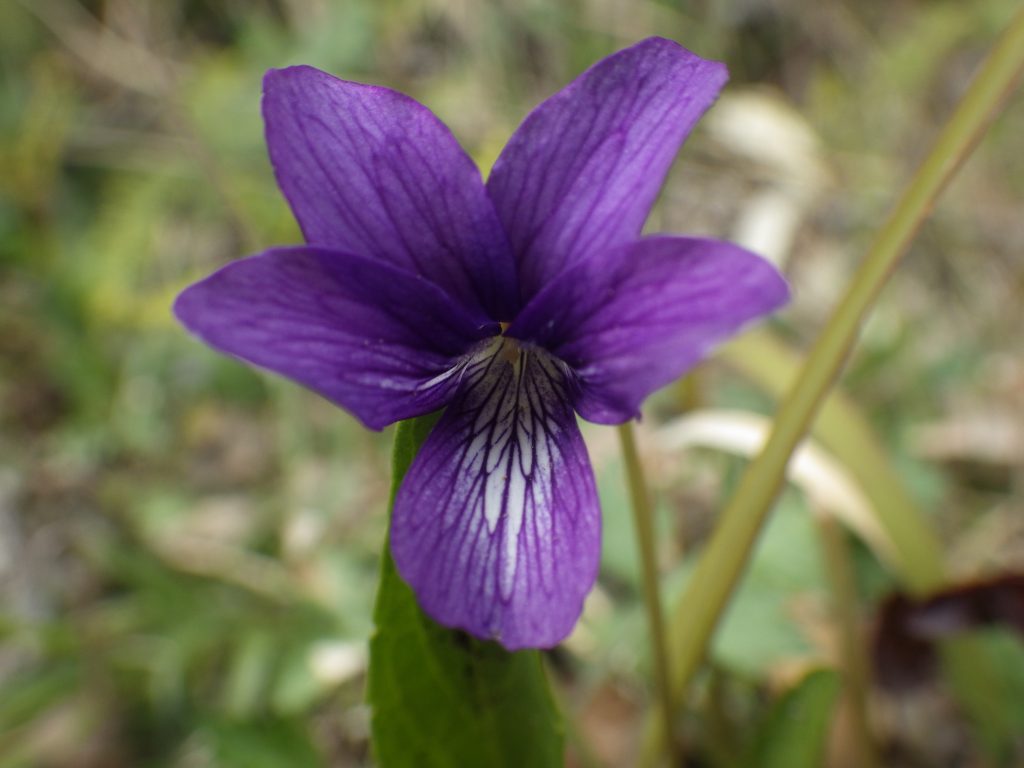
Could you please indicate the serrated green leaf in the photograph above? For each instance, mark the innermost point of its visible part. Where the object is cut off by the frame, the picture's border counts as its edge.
(442, 698)
(794, 734)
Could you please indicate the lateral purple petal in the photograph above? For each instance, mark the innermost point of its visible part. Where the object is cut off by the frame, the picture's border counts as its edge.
(497, 526)
(370, 171)
(381, 343)
(582, 171)
(635, 317)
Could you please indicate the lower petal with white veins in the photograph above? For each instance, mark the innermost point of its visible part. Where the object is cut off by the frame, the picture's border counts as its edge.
(497, 525)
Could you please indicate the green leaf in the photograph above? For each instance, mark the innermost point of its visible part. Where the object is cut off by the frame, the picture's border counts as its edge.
(985, 669)
(794, 734)
(440, 697)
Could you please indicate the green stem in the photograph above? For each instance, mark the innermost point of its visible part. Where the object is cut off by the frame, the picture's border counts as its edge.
(771, 365)
(644, 522)
(853, 661)
(702, 603)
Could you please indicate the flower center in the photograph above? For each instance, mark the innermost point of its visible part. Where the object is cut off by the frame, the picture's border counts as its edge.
(497, 349)
(503, 355)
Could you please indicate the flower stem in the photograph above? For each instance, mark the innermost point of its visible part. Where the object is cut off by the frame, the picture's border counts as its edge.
(643, 519)
(701, 605)
(853, 662)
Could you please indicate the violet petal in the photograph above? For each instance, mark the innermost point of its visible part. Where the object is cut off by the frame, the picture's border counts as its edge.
(497, 526)
(379, 342)
(582, 171)
(370, 171)
(635, 317)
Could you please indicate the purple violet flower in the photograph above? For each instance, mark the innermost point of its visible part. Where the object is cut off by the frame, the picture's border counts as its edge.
(511, 304)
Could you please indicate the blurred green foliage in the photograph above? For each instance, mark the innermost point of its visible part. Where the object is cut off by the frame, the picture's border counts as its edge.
(189, 550)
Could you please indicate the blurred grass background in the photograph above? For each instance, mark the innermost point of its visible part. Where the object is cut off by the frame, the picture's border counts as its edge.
(188, 549)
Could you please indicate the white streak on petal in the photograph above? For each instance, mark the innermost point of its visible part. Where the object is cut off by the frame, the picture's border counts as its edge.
(494, 498)
(515, 512)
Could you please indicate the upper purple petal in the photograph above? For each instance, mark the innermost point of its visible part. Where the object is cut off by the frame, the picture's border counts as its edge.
(582, 171)
(637, 316)
(381, 343)
(496, 526)
(372, 172)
